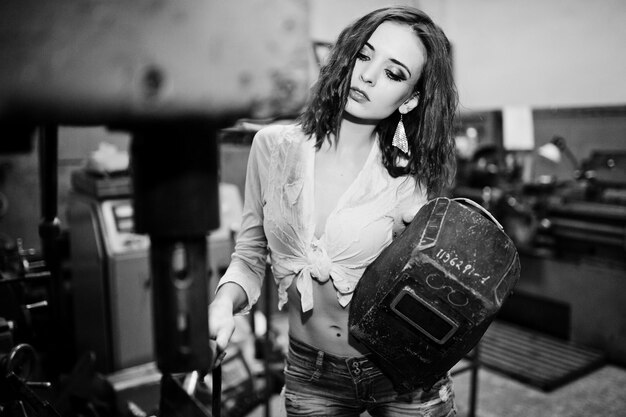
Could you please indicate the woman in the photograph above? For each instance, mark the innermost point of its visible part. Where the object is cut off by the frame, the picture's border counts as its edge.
(325, 196)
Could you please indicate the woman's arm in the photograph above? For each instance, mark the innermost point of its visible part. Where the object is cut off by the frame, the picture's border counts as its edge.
(241, 284)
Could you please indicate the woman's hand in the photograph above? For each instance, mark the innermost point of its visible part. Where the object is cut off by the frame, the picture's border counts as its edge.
(229, 299)
(221, 325)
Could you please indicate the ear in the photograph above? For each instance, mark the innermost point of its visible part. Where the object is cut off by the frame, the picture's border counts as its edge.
(409, 104)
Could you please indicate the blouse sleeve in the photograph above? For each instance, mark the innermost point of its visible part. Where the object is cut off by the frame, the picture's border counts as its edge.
(248, 262)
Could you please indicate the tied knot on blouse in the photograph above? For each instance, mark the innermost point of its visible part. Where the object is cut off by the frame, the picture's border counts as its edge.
(318, 263)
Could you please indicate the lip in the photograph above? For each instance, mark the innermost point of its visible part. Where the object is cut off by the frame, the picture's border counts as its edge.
(358, 95)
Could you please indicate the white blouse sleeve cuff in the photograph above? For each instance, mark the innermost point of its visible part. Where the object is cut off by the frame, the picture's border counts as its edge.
(238, 273)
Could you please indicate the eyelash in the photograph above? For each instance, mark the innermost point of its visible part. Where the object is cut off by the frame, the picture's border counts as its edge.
(393, 77)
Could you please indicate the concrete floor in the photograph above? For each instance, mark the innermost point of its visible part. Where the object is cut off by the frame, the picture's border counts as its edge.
(599, 394)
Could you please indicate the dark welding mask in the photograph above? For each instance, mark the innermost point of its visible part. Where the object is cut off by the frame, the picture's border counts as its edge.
(429, 297)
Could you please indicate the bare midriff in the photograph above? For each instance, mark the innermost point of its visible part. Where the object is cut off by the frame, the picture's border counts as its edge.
(325, 327)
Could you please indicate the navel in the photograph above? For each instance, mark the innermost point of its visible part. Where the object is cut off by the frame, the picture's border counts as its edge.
(337, 330)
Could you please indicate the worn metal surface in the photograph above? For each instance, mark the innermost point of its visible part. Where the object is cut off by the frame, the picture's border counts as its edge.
(456, 267)
(94, 61)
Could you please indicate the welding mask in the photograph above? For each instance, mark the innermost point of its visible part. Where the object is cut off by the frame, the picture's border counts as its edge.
(428, 298)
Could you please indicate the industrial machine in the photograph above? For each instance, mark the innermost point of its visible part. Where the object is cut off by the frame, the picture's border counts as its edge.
(111, 272)
(589, 216)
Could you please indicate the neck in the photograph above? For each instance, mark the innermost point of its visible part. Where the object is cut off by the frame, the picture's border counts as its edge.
(355, 133)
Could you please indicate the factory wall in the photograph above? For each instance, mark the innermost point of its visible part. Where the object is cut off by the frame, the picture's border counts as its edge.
(554, 53)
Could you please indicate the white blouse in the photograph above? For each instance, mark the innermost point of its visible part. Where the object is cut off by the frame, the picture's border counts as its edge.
(278, 219)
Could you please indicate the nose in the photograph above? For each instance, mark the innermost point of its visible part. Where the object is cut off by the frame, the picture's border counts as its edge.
(368, 74)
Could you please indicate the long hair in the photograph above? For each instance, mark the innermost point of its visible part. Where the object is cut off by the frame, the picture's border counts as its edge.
(429, 127)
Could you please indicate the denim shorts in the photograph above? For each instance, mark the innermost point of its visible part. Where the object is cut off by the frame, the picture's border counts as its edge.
(321, 384)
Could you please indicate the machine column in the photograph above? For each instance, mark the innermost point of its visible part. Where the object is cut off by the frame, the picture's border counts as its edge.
(175, 167)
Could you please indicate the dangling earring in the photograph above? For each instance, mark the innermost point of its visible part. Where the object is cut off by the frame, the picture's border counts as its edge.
(399, 137)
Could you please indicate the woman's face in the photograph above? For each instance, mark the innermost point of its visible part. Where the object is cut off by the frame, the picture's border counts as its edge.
(385, 72)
